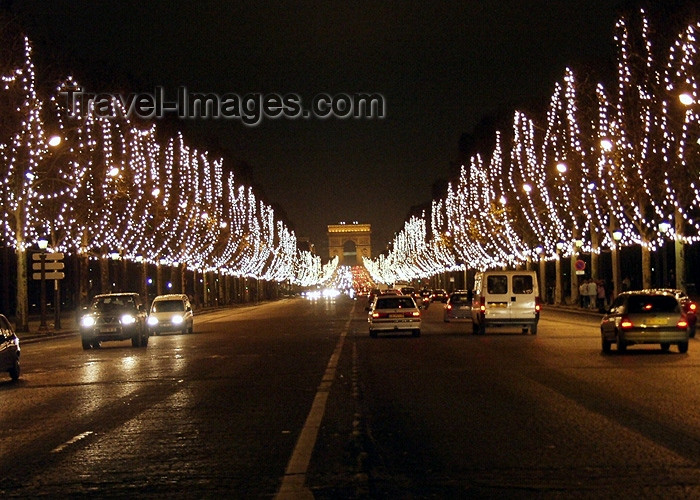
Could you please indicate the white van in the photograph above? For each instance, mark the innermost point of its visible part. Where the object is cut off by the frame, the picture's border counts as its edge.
(506, 298)
(171, 313)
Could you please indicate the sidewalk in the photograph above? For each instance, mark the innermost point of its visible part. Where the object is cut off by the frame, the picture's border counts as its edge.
(69, 326)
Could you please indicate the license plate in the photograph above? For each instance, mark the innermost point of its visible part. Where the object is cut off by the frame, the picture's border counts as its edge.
(396, 315)
(498, 304)
(112, 329)
(656, 321)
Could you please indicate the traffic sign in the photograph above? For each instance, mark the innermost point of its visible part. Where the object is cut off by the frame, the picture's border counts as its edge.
(56, 275)
(49, 266)
(580, 265)
(48, 256)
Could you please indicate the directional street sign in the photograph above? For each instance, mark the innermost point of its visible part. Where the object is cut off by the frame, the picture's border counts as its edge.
(48, 256)
(49, 266)
(56, 275)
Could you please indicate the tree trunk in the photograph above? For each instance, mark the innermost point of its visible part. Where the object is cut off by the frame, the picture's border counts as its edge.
(22, 312)
(646, 266)
(104, 275)
(680, 251)
(595, 252)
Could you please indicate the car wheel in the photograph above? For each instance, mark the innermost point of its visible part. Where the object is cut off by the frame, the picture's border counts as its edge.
(682, 347)
(14, 371)
(691, 332)
(606, 345)
(86, 344)
(191, 328)
(416, 333)
(482, 329)
(144, 339)
(373, 334)
(621, 344)
(665, 346)
(533, 329)
(136, 340)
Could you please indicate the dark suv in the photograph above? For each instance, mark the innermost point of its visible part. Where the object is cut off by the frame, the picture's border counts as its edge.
(114, 316)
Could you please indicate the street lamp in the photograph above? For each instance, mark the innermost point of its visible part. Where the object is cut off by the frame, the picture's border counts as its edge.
(43, 245)
(686, 99)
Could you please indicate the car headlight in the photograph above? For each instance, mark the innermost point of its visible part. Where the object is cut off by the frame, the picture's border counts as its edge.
(177, 319)
(87, 321)
(128, 319)
(152, 321)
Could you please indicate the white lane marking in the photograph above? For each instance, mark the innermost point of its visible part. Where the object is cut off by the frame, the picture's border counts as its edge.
(294, 481)
(71, 441)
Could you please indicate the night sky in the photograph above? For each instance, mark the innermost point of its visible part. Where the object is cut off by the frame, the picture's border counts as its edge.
(441, 68)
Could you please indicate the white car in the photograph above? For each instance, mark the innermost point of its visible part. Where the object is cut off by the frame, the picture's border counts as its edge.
(394, 313)
(171, 313)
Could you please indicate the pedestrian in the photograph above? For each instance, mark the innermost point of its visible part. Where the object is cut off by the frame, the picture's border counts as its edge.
(592, 293)
(583, 293)
(600, 296)
(626, 284)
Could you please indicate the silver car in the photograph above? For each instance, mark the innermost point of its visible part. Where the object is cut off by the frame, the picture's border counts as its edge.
(394, 313)
(458, 306)
(645, 317)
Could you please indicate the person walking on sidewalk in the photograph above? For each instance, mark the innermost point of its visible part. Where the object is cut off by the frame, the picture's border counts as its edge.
(583, 293)
(600, 296)
(592, 292)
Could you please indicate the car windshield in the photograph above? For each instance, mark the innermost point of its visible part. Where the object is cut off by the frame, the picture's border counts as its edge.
(652, 304)
(106, 304)
(168, 306)
(395, 303)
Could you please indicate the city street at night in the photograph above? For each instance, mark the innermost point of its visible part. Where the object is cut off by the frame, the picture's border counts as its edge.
(449, 414)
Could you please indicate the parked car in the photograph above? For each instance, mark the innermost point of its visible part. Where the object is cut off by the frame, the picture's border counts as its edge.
(439, 295)
(394, 313)
(114, 316)
(171, 313)
(458, 306)
(9, 349)
(505, 298)
(645, 317)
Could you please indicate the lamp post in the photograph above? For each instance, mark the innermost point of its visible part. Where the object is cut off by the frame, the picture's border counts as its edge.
(43, 244)
(540, 253)
(617, 282)
(664, 227)
(114, 256)
(557, 263)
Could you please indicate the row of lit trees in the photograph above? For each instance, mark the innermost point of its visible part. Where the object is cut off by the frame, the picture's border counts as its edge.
(95, 185)
(606, 170)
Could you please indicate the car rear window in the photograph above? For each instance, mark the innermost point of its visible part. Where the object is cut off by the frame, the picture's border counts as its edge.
(497, 284)
(395, 303)
(459, 299)
(652, 304)
(522, 283)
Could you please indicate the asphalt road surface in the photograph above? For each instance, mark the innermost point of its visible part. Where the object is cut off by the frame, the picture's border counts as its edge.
(293, 399)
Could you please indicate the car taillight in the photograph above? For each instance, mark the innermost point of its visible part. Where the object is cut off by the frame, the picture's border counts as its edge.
(537, 304)
(626, 323)
(482, 306)
(376, 315)
(448, 306)
(414, 314)
(682, 323)
(693, 306)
